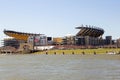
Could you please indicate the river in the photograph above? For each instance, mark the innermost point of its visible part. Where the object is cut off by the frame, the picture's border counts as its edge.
(59, 67)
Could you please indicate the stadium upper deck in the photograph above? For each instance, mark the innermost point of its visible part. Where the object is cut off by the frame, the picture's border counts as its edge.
(19, 35)
(90, 31)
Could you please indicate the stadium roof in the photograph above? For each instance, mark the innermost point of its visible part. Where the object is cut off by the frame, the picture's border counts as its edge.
(90, 31)
(19, 35)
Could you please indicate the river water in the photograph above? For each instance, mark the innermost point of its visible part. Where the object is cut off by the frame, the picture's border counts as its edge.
(59, 67)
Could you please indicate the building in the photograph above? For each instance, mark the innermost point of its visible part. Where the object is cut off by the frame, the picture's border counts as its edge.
(58, 41)
(69, 40)
(49, 41)
(89, 36)
(38, 40)
(118, 42)
(12, 42)
(25, 41)
(108, 40)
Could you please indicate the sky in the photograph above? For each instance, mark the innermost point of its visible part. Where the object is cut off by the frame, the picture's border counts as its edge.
(58, 18)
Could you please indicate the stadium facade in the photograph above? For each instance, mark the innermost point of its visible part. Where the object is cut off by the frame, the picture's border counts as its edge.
(87, 37)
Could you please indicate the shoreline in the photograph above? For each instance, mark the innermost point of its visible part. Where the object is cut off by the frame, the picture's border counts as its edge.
(73, 51)
(82, 51)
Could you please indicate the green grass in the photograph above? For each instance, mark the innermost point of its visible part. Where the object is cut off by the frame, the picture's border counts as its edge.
(80, 51)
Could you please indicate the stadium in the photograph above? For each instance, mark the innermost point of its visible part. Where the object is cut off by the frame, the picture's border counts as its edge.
(86, 37)
(24, 41)
(89, 36)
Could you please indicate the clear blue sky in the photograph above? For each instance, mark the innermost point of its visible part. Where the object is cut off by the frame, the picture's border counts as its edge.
(59, 17)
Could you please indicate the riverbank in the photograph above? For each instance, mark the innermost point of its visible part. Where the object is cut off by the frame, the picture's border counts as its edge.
(82, 51)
